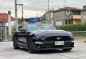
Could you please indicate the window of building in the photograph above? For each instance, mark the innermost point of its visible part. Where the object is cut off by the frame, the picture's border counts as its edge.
(76, 12)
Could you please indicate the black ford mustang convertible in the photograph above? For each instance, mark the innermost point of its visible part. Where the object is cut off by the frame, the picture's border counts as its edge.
(38, 37)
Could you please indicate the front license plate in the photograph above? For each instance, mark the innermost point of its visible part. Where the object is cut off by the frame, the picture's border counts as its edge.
(59, 42)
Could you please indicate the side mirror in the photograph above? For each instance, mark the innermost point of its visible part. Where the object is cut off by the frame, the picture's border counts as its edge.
(23, 30)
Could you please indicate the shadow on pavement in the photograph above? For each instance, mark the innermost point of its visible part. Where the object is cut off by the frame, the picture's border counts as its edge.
(47, 51)
(51, 51)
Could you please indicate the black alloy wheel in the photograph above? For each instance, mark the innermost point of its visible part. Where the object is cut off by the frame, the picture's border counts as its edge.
(15, 45)
(30, 45)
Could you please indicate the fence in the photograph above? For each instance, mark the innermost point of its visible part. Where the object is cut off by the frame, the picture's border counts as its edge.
(79, 33)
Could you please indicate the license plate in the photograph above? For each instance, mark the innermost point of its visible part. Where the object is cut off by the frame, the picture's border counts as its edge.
(59, 42)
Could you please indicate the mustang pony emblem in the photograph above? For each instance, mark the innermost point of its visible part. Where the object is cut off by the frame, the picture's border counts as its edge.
(58, 38)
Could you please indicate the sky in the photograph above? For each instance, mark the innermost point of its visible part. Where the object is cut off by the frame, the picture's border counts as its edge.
(35, 8)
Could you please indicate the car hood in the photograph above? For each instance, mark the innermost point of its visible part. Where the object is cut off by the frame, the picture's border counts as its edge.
(52, 33)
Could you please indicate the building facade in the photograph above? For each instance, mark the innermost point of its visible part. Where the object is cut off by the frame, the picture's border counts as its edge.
(3, 27)
(66, 15)
(83, 15)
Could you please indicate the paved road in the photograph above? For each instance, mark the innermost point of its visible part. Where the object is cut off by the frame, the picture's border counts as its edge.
(7, 52)
(79, 37)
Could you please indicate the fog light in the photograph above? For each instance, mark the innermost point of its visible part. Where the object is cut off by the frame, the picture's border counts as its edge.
(38, 42)
(72, 41)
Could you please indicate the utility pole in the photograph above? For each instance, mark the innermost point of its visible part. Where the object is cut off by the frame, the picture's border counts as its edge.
(52, 17)
(22, 9)
(48, 5)
(16, 14)
(64, 3)
(16, 20)
(48, 11)
(9, 25)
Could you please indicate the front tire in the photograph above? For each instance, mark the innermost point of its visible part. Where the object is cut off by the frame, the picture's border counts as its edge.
(15, 45)
(30, 46)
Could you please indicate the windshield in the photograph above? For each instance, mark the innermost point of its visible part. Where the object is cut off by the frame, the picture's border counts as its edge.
(41, 27)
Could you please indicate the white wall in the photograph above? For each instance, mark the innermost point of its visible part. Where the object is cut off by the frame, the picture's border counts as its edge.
(61, 16)
(59, 23)
(83, 16)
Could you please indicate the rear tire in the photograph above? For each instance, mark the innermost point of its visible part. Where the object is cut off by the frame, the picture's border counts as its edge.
(15, 45)
(68, 49)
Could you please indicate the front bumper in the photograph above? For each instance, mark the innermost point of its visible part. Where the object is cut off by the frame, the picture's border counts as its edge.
(51, 45)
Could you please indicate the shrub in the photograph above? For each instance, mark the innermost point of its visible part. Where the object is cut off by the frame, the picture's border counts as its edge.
(74, 27)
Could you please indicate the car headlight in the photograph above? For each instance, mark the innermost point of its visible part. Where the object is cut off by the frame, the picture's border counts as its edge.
(39, 37)
(70, 33)
(72, 38)
(35, 37)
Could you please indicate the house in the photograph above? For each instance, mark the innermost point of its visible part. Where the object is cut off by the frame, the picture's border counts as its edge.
(3, 21)
(47, 17)
(66, 15)
(83, 15)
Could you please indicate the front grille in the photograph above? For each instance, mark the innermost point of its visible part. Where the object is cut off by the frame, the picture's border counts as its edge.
(58, 38)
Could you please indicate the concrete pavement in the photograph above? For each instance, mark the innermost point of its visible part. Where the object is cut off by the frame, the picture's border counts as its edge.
(7, 52)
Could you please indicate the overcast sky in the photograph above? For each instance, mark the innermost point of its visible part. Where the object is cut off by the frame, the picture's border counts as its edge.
(33, 8)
